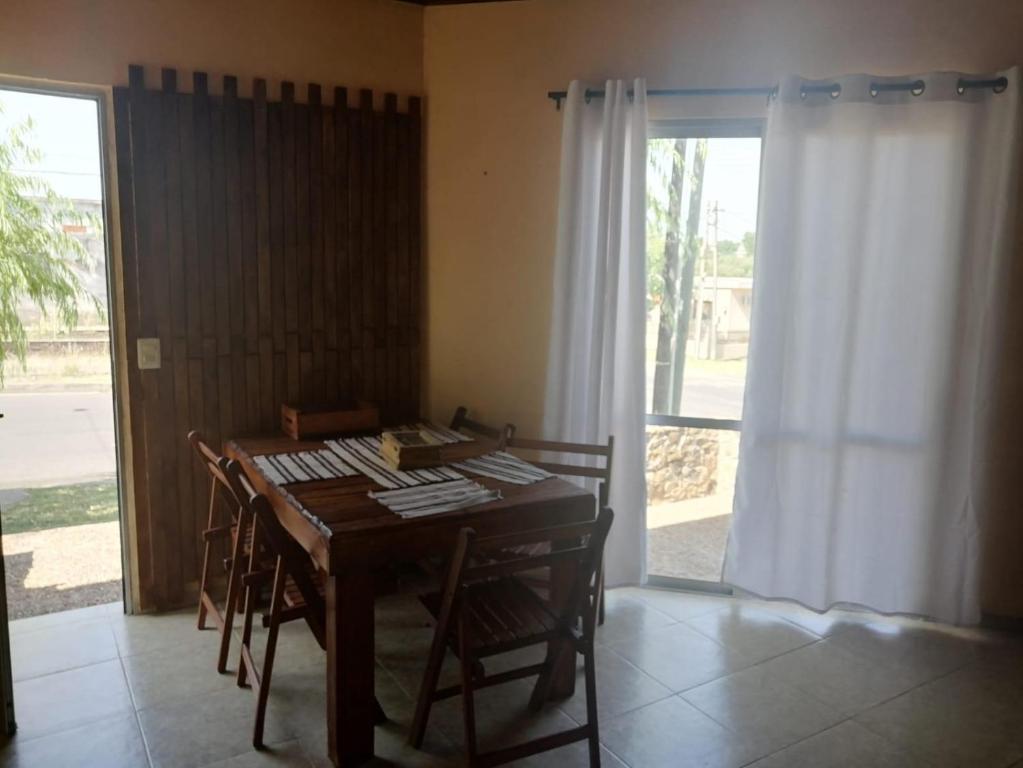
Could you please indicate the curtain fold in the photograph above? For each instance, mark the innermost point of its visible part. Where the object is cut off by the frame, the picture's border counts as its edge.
(595, 372)
(885, 229)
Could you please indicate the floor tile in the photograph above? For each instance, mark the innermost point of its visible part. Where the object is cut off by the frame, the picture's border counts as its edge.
(972, 718)
(69, 699)
(288, 754)
(672, 733)
(921, 651)
(189, 733)
(64, 618)
(155, 632)
(822, 624)
(59, 647)
(765, 712)
(620, 688)
(111, 743)
(679, 657)
(847, 745)
(838, 677)
(179, 673)
(627, 616)
(675, 603)
(755, 634)
(502, 717)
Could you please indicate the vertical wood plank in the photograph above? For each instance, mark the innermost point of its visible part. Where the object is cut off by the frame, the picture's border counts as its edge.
(415, 229)
(380, 268)
(355, 252)
(342, 241)
(304, 263)
(329, 256)
(207, 258)
(390, 239)
(236, 282)
(180, 518)
(291, 226)
(367, 243)
(261, 160)
(250, 262)
(314, 298)
(401, 226)
(127, 129)
(159, 400)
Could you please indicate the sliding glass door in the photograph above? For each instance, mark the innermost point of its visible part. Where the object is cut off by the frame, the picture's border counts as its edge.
(702, 187)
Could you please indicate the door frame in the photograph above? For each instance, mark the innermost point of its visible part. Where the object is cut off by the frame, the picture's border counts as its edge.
(103, 96)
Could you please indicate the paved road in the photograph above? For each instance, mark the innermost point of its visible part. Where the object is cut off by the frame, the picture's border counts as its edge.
(712, 397)
(55, 438)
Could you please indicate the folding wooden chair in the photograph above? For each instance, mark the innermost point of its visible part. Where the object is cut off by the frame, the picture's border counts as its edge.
(461, 422)
(530, 449)
(486, 610)
(235, 523)
(297, 592)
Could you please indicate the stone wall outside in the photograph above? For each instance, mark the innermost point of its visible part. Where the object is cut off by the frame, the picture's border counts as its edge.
(681, 463)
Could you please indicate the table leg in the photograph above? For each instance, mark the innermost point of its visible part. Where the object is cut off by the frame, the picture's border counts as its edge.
(563, 576)
(350, 703)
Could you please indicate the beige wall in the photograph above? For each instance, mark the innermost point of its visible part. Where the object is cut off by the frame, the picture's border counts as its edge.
(493, 149)
(356, 43)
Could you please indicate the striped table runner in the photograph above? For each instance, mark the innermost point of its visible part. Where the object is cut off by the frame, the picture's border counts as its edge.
(363, 453)
(303, 466)
(503, 466)
(441, 497)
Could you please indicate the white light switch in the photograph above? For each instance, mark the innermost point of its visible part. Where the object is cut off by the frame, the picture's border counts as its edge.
(149, 354)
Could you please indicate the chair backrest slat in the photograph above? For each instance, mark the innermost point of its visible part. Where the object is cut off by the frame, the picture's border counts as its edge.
(461, 422)
(566, 449)
(591, 449)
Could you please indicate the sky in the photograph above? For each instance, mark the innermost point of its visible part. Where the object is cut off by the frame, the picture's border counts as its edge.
(66, 130)
(731, 179)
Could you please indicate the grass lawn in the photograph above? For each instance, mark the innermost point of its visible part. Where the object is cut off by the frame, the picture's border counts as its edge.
(61, 506)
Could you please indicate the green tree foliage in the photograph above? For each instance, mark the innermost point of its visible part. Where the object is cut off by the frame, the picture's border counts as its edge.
(735, 259)
(38, 259)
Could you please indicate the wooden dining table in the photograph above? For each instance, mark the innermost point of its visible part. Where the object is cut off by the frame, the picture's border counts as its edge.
(351, 537)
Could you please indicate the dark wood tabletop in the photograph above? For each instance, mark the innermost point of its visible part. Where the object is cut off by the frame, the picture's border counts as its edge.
(349, 535)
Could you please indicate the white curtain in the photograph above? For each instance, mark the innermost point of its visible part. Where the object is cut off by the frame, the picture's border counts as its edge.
(885, 228)
(595, 372)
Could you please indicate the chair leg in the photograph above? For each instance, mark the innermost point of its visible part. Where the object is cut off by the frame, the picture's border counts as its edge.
(251, 595)
(268, 659)
(600, 600)
(233, 588)
(590, 672)
(468, 699)
(429, 685)
(204, 578)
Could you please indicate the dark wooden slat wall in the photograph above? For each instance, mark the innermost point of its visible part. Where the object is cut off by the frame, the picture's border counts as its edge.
(273, 248)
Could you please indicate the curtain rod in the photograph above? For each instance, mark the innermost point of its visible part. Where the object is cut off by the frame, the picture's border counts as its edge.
(997, 84)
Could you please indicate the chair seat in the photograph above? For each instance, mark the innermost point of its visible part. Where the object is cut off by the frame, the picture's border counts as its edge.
(293, 595)
(500, 614)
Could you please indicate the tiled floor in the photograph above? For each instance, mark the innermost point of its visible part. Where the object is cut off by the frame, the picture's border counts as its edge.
(684, 680)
